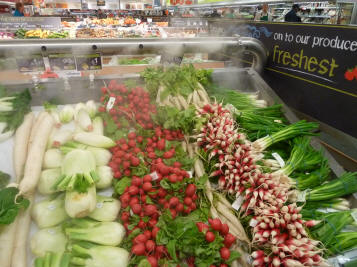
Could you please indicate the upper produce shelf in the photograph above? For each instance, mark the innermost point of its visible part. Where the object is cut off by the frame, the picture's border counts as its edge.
(169, 48)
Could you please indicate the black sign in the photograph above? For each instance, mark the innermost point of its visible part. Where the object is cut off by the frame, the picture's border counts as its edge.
(312, 67)
(31, 63)
(62, 62)
(30, 22)
(89, 62)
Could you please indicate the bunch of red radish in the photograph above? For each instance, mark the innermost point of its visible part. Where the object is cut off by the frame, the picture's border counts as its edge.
(211, 231)
(133, 103)
(277, 227)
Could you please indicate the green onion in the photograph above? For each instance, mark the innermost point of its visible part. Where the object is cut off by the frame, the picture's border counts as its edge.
(297, 129)
(296, 156)
(313, 179)
(334, 203)
(342, 186)
(343, 242)
(331, 225)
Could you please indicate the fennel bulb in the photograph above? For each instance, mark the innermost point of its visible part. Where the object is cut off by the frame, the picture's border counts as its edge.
(102, 156)
(48, 240)
(102, 233)
(66, 114)
(52, 159)
(49, 212)
(105, 174)
(106, 209)
(91, 255)
(48, 179)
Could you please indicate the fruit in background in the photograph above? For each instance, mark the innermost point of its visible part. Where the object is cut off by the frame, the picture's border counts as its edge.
(354, 71)
(350, 75)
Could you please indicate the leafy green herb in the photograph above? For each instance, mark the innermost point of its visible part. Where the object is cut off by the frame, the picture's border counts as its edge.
(10, 204)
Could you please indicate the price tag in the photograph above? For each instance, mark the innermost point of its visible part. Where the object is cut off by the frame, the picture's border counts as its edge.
(165, 58)
(89, 62)
(154, 176)
(278, 159)
(99, 205)
(51, 231)
(110, 103)
(32, 63)
(149, 20)
(253, 223)
(138, 21)
(60, 62)
(237, 203)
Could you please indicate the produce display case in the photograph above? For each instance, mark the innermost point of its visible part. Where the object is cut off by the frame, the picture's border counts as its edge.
(70, 86)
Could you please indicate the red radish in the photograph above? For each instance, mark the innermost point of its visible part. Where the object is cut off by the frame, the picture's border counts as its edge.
(133, 190)
(154, 231)
(147, 178)
(223, 265)
(124, 147)
(125, 216)
(202, 227)
(215, 224)
(193, 206)
(152, 222)
(187, 210)
(136, 208)
(126, 164)
(135, 161)
(190, 190)
(152, 260)
(210, 237)
(131, 135)
(139, 139)
(147, 186)
(152, 155)
(168, 155)
(179, 207)
(136, 181)
(225, 253)
(194, 197)
(161, 144)
(161, 192)
(138, 249)
(150, 246)
(147, 233)
(141, 224)
(177, 164)
(229, 240)
(132, 143)
(173, 213)
(150, 210)
(125, 198)
(187, 201)
(134, 200)
(173, 178)
(141, 238)
(173, 201)
(224, 229)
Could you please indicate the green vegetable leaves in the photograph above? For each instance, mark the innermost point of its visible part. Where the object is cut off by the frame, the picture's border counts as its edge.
(10, 204)
(122, 184)
(4, 179)
(17, 106)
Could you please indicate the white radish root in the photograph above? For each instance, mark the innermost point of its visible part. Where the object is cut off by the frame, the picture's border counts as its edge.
(36, 152)
(22, 137)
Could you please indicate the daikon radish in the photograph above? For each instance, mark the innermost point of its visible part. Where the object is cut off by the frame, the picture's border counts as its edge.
(19, 254)
(95, 140)
(22, 137)
(37, 122)
(84, 121)
(35, 155)
(7, 237)
(61, 136)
